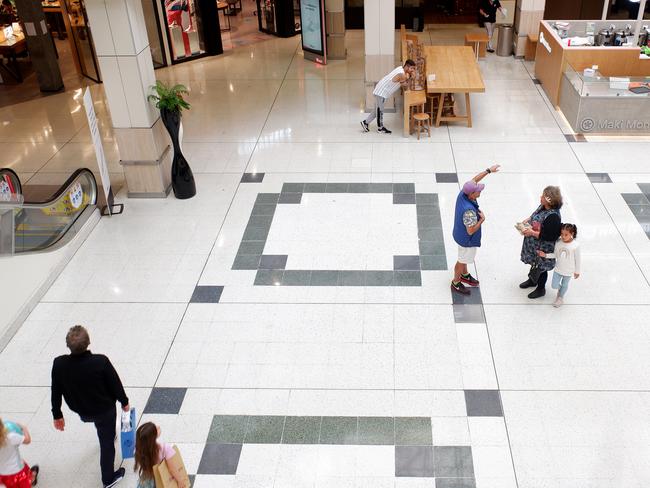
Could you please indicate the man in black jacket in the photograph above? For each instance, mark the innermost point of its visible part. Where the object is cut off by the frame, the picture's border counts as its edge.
(90, 386)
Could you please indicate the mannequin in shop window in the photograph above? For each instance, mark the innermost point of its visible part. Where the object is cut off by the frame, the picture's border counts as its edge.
(178, 17)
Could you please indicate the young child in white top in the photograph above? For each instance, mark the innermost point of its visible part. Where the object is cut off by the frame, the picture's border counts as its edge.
(567, 261)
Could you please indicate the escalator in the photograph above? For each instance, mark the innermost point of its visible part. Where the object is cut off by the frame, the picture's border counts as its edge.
(48, 217)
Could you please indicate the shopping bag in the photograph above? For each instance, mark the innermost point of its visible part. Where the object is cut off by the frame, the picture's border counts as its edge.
(127, 434)
(162, 472)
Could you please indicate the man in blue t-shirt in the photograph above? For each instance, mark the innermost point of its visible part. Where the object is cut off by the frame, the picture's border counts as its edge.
(468, 220)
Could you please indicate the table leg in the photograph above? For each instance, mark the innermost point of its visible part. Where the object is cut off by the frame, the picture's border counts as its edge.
(477, 46)
(406, 131)
(440, 104)
(469, 110)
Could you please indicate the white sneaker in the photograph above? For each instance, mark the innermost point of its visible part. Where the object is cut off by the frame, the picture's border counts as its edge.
(558, 302)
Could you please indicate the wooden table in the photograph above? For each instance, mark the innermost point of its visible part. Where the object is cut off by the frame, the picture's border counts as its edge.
(456, 71)
(10, 48)
(479, 41)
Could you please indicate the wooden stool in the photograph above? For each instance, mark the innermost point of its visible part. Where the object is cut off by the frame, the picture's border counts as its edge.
(434, 100)
(413, 111)
(478, 41)
(422, 121)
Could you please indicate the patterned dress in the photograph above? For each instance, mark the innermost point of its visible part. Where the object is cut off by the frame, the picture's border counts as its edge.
(531, 245)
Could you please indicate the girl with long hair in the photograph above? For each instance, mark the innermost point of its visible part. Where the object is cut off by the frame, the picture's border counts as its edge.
(149, 452)
(14, 471)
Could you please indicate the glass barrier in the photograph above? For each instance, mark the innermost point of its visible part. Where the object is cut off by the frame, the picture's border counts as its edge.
(591, 83)
(39, 226)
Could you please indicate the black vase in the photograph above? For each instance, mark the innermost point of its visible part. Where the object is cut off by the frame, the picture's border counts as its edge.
(182, 177)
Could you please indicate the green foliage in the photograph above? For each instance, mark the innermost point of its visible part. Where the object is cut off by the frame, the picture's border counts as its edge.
(169, 97)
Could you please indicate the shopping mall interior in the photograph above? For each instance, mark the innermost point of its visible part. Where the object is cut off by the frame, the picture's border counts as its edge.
(275, 286)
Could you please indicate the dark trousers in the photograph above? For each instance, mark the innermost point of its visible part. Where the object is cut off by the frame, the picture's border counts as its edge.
(541, 283)
(105, 425)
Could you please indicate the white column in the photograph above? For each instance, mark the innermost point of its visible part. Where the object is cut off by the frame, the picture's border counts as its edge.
(379, 32)
(528, 15)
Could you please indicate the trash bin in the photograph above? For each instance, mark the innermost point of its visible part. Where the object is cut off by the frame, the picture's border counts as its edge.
(504, 48)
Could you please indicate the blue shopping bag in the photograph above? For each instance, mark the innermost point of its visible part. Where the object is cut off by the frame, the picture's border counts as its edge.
(127, 434)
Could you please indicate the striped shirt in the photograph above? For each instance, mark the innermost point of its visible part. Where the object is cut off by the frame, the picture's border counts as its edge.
(386, 86)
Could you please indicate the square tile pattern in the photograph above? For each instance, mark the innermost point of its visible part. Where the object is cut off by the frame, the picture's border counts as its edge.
(165, 400)
(206, 294)
(406, 269)
(483, 403)
(252, 178)
(639, 204)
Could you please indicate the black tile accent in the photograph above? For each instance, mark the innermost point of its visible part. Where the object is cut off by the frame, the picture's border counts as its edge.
(483, 403)
(264, 429)
(407, 278)
(403, 198)
(599, 177)
(453, 462)
(474, 297)
(220, 459)
(359, 188)
(246, 261)
(251, 247)
(414, 461)
(268, 277)
(315, 188)
(206, 294)
(379, 431)
(336, 188)
(635, 199)
(294, 198)
(339, 430)
(324, 278)
(455, 483)
(468, 314)
(413, 431)
(430, 263)
(227, 429)
(192, 478)
(273, 261)
(263, 209)
(379, 278)
(252, 178)
(293, 187)
(426, 199)
(267, 198)
(165, 400)
(446, 177)
(381, 188)
(296, 278)
(406, 262)
(404, 188)
(352, 278)
(301, 430)
(644, 187)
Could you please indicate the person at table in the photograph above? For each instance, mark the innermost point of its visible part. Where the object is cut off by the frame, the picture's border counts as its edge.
(385, 89)
(488, 15)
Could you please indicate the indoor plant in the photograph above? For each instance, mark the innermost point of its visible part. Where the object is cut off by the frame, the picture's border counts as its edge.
(169, 100)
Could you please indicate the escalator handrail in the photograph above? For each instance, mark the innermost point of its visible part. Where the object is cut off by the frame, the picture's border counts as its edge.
(65, 187)
(13, 173)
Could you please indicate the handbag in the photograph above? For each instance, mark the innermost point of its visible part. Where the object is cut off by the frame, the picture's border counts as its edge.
(163, 476)
(535, 273)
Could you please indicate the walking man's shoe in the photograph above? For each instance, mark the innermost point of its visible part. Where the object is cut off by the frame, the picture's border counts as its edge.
(537, 293)
(119, 474)
(384, 130)
(364, 124)
(526, 284)
(468, 279)
(459, 288)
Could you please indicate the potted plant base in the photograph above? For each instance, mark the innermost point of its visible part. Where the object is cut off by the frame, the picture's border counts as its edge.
(170, 102)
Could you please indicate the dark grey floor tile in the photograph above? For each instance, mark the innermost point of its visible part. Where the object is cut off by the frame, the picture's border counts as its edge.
(432, 263)
(252, 178)
(431, 235)
(403, 198)
(453, 462)
(483, 403)
(413, 431)
(474, 297)
(220, 459)
(447, 177)
(647, 233)
(379, 278)
(640, 210)
(426, 210)
(267, 198)
(599, 177)
(251, 247)
(227, 429)
(411, 263)
(352, 278)
(192, 478)
(359, 188)
(427, 222)
(407, 278)
(414, 461)
(246, 261)
(255, 233)
(268, 277)
(263, 209)
(165, 400)
(264, 429)
(294, 277)
(377, 431)
(315, 188)
(338, 430)
(570, 138)
(431, 248)
(293, 188)
(635, 198)
(426, 198)
(404, 188)
(259, 221)
(455, 483)
(324, 278)
(301, 430)
(644, 187)
(381, 188)
(206, 294)
(290, 198)
(337, 188)
(469, 314)
(273, 261)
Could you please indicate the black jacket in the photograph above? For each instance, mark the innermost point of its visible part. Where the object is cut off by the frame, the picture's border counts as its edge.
(88, 382)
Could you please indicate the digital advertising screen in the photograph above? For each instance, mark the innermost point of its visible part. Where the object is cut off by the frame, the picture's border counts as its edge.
(311, 17)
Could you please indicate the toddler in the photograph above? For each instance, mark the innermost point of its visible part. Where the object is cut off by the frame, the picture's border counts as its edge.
(567, 261)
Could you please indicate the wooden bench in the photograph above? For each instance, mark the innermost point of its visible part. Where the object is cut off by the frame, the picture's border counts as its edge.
(531, 47)
(478, 41)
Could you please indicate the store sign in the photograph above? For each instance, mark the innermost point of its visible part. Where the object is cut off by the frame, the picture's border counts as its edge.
(311, 18)
(97, 142)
